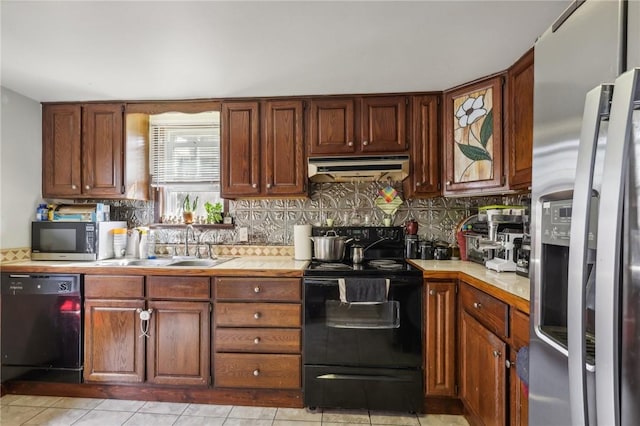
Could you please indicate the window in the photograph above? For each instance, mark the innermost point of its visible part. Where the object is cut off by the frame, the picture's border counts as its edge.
(185, 159)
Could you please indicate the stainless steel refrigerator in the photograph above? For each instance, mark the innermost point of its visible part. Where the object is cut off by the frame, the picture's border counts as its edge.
(584, 353)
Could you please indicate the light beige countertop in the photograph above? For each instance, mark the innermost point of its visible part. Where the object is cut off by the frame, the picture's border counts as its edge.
(507, 286)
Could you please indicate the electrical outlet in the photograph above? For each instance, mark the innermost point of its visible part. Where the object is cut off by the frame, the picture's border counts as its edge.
(243, 234)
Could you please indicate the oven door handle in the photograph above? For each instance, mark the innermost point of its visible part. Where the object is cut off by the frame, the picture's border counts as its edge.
(371, 377)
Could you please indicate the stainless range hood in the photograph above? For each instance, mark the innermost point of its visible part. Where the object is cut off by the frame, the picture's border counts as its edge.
(354, 169)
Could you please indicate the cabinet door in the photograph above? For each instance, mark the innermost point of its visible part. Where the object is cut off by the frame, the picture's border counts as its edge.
(113, 348)
(384, 124)
(61, 150)
(520, 121)
(518, 396)
(483, 387)
(332, 126)
(102, 150)
(424, 180)
(179, 342)
(473, 138)
(240, 149)
(440, 338)
(285, 169)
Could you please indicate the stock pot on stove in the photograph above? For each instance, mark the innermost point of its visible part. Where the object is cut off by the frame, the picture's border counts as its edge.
(329, 248)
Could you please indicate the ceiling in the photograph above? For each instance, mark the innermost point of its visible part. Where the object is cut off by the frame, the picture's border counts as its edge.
(151, 50)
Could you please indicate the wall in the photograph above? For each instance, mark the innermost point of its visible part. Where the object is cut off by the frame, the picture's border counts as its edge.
(20, 168)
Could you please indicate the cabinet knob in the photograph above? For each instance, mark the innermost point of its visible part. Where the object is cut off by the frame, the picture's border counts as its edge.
(350, 143)
(507, 363)
(432, 292)
(256, 340)
(256, 372)
(477, 305)
(418, 183)
(449, 183)
(496, 354)
(254, 185)
(257, 315)
(268, 185)
(73, 187)
(87, 187)
(256, 289)
(365, 143)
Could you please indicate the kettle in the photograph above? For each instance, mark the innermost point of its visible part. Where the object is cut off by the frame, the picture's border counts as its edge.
(411, 227)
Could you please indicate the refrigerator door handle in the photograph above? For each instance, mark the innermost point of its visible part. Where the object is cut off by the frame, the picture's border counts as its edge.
(596, 108)
(608, 260)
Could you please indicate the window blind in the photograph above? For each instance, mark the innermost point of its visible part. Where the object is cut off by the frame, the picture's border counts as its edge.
(185, 151)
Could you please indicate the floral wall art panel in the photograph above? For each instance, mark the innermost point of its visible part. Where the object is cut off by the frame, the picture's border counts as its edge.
(473, 143)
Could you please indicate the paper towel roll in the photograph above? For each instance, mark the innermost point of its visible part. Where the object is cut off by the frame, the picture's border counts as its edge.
(302, 242)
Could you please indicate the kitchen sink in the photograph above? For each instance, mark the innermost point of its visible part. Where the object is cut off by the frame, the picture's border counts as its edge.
(164, 262)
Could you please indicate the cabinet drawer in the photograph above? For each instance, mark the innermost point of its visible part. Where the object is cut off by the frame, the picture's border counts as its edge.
(257, 315)
(260, 340)
(113, 287)
(519, 329)
(257, 371)
(489, 311)
(271, 289)
(192, 288)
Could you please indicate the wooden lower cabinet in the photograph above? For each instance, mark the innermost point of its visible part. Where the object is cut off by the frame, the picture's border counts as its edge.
(440, 334)
(173, 348)
(258, 335)
(518, 393)
(483, 375)
(113, 349)
(178, 343)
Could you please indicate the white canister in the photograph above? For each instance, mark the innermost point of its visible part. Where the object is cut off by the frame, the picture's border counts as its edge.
(119, 242)
(133, 242)
(302, 242)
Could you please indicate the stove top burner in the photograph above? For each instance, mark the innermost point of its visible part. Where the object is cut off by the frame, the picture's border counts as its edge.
(374, 267)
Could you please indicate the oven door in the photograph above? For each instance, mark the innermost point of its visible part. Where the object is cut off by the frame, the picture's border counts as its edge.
(386, 334)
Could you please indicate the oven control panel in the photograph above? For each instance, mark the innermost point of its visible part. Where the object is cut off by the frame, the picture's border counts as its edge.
(363, 234)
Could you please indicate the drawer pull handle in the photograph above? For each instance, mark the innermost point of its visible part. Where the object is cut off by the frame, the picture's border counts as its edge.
(432, 292)
(508, 363)
(256, 372)
(257, 315)
(477, 305)
(496, 354)
(256, 340)
(256, 289)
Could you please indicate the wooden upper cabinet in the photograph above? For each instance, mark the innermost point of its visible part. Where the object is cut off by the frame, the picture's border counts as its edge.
(473, 145)
(332, 126)
(284, 160)
(240, 149)
(358, 125)
(102, 150)
(61, 150)
(424, 180)
(519, 128)
(85, 153)
(384, 124)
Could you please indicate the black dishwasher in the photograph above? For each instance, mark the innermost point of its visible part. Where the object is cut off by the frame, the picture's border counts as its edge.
(41, 327)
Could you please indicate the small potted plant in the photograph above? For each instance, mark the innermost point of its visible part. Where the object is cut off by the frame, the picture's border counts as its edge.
(214, 212)
(188, 208)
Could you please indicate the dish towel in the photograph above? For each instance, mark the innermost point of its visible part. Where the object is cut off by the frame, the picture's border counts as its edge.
(363, 289)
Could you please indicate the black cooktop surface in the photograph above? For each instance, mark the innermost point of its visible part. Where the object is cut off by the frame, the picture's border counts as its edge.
(375, 267)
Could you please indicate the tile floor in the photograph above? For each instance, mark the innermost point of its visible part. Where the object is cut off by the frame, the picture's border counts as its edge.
(52, 410)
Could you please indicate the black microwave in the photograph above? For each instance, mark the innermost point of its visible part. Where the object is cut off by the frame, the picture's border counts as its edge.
(68, 240)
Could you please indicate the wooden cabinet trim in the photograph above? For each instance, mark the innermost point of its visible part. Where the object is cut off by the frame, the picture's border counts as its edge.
(178, 288)
(113, 286)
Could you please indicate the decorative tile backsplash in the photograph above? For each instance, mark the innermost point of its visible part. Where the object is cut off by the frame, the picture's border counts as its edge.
(270, 222)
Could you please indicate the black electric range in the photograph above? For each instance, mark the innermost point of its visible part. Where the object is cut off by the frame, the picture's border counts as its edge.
(364, 355)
